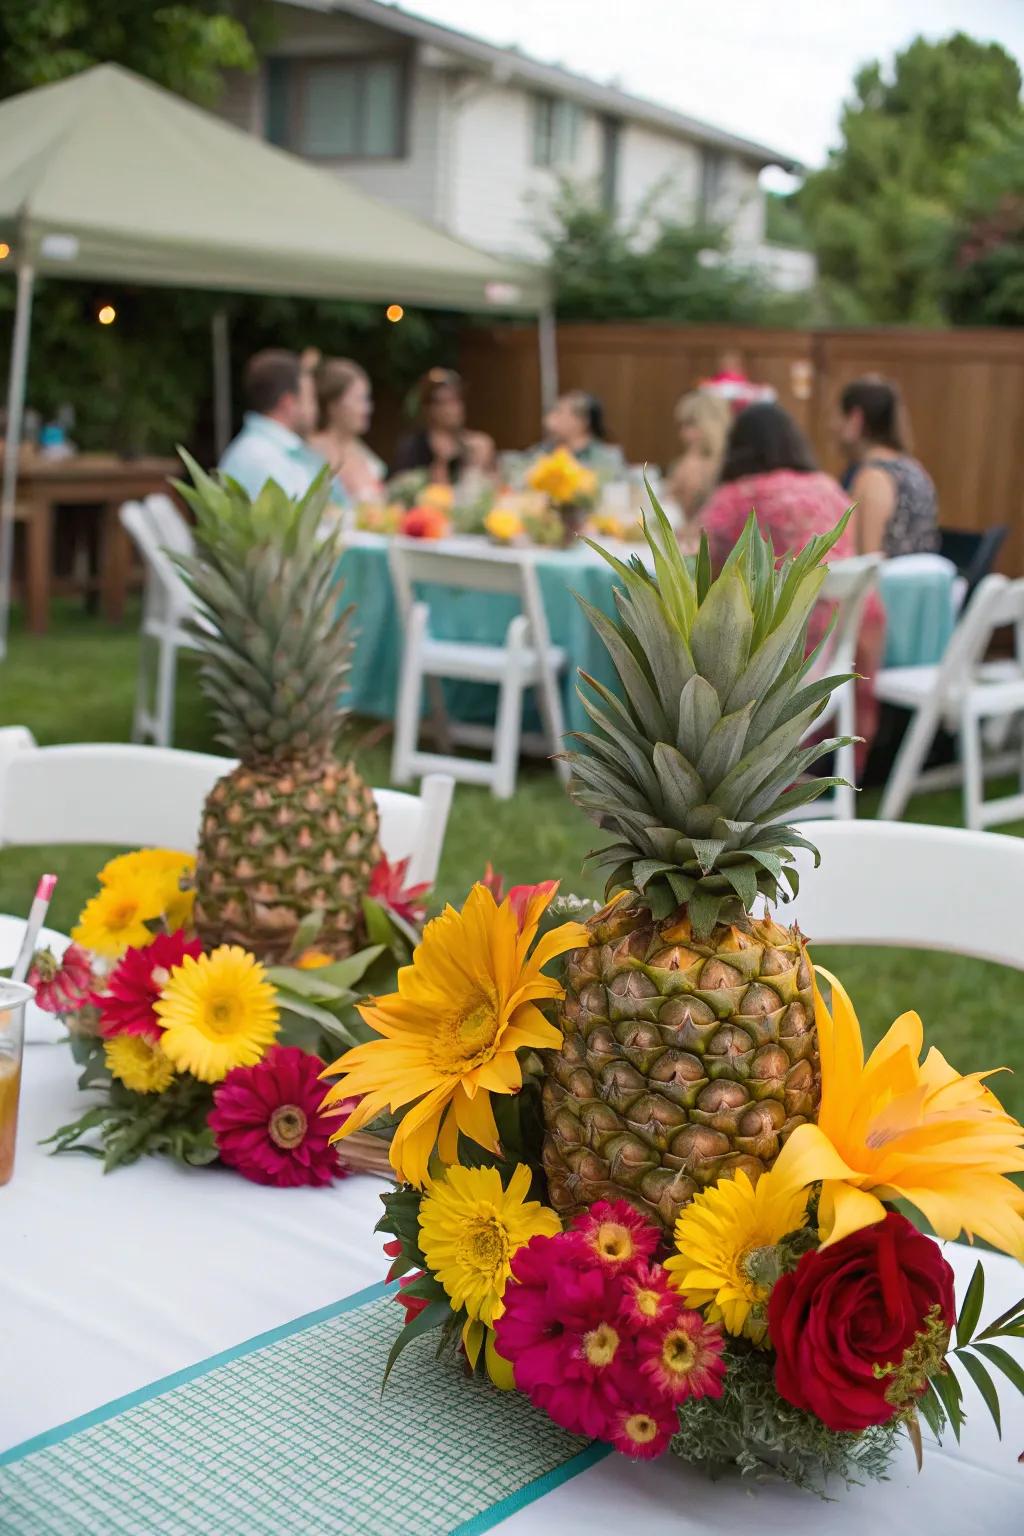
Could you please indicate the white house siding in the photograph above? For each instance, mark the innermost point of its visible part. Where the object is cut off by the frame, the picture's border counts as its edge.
(785, 268)
(658, 175)
(742, 205)
(496, 194)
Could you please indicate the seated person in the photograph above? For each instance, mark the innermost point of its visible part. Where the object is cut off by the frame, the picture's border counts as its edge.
(769, 467)
(345, 405)
(704, 419)
(281, 409)
(576, 422)
(897, 507)
(441, 444)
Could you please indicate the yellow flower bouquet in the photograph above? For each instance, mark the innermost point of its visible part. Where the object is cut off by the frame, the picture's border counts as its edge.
(646, 1173)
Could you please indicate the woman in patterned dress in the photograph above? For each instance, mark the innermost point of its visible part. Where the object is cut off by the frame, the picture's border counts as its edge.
(897, 508)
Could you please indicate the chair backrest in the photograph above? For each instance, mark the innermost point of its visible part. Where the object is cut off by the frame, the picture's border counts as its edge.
(973, 554)
(141, 797)
(847, 584)
(890, 883)
(997, 601)
(159, 530)
(506, 572)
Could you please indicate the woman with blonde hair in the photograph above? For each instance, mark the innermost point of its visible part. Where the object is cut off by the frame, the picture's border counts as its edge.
(704, 420)
(345, 408)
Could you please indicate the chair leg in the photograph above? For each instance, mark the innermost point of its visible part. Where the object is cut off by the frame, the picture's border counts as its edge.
(908, 763)
(407, 705)
(166, 687)
(507, 733)
(844, 796)
(974, 772)
(549, 701)
(142, 716)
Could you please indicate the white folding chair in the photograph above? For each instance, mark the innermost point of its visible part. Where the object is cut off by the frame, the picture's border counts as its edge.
(138, 796)
(960, 693)
(847, 584)
(159, 530)
(888, 883)
(527, 659)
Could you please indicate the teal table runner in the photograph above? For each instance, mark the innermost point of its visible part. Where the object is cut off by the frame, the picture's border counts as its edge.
(288, 1435)
(479, 616)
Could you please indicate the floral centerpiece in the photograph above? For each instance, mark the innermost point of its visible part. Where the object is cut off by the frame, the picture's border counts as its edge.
(206, 1055)
(570, 487)
(666, 1195)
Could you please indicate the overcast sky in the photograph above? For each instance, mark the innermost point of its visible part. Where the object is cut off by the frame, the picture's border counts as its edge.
(777, 71)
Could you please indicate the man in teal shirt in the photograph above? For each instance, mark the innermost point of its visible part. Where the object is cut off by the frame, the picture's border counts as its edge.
(281, 404)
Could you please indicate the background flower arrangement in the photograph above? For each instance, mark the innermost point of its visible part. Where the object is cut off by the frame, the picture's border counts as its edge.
(205, 1056)
(660, 1199)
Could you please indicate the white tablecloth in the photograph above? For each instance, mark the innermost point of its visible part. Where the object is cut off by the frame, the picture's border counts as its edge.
(109, 1282)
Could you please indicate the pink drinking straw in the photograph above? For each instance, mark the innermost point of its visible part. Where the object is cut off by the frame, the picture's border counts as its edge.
(36, 917)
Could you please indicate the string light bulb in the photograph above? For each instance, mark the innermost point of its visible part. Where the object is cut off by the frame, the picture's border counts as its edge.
(394, 313)
(106, 314)
(5, 250)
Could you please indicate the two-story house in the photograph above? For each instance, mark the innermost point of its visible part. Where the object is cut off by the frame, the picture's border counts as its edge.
(475, 138)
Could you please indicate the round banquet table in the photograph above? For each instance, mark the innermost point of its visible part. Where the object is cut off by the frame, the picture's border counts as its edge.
(109, 1283)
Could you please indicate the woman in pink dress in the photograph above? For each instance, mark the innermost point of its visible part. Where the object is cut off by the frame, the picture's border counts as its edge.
(769, 468)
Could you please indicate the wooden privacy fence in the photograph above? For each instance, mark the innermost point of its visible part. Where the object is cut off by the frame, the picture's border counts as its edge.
(964, 392)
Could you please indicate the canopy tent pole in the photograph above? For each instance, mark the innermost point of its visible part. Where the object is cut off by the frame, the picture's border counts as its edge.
(12, 442)
(221, 381)
(548, 352)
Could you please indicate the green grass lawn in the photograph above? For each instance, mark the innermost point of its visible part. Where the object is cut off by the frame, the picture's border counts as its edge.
(77, 684)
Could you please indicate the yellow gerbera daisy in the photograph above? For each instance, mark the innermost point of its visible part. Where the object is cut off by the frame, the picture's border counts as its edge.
(173, 869)
(119, 916)
(725, 1239)
(139, 1063)
(463, 1009)
(470, 1227)
(895, 1127)
(218, 1012)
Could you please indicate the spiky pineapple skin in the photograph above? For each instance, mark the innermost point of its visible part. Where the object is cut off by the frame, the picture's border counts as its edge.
(277, 843)
(682, 1061)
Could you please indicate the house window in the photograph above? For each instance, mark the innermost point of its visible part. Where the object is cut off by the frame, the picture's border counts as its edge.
(338, 109)
(712, 182)
(556, 131)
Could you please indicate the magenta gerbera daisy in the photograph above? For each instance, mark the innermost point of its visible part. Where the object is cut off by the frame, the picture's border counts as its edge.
(134, 985)
(643, 1429)
(268, 1123)
(648, 1300)
(570, 1352)
(617, 1234)
(684, 1359)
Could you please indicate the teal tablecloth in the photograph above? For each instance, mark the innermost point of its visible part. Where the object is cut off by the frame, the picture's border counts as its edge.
(480, 616)
(920, 610)
(917, 592)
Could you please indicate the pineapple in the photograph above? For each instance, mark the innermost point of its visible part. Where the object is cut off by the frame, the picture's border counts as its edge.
(690, 1047)
(292, 829)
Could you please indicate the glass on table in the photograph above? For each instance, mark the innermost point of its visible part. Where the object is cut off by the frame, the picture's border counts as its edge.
(13, 997)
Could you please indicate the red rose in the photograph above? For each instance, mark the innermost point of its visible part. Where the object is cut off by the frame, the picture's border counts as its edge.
(880, 1298)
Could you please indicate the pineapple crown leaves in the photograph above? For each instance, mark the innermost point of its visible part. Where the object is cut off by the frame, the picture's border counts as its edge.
(694, 769)
(273, 638)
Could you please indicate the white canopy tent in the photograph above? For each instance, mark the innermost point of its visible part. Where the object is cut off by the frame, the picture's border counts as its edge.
(105, 175)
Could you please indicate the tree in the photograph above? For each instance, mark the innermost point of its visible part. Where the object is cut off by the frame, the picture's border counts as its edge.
(879, 213)
(184, 47)
(986, 281)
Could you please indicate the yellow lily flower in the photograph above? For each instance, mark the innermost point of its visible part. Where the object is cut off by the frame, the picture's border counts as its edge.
(895, 1127)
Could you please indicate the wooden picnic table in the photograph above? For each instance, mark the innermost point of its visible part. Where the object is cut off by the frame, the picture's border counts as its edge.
(98, 480)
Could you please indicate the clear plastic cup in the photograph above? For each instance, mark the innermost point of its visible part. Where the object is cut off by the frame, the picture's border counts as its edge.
(13, 997)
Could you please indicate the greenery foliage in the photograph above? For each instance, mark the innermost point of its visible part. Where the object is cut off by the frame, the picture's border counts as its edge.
(881, 214)
(750, 1427)
(652, 268)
